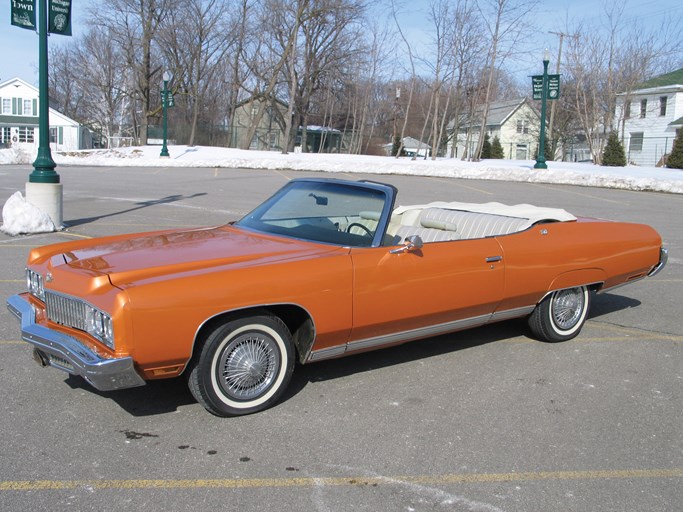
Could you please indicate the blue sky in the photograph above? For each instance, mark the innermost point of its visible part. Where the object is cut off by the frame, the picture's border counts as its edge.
(20, 46)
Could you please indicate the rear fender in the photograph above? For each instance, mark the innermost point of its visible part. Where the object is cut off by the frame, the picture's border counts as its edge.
(591, 277)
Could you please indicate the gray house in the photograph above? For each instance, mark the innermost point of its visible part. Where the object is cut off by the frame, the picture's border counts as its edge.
(515, 122)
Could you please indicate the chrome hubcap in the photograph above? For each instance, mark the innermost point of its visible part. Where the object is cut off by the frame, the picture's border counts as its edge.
(567, 307)
(248, 366)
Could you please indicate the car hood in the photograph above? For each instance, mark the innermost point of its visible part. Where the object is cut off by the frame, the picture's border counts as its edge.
(130, 259)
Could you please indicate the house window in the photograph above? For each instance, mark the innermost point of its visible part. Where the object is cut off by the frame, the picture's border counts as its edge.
(522, 126)
(53, 135)
(627, 110)
(636, 143)
(662, 106)
(5, 134)
(25, 134)
(643, 108)
(6, 105)
(521, 152)
(27, 108)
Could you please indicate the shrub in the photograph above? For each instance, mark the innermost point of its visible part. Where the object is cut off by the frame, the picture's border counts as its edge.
(613, 154)
(486, 147)
(675, 160)
(497, 149)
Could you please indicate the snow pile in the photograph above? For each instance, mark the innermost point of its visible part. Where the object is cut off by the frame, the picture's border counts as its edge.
(569, 173)
(20, 216)
(15, 155)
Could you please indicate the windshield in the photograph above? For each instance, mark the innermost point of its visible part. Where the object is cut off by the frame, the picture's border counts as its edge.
(332, 212)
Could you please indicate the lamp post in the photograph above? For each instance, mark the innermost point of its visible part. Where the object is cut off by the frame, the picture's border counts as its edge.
(540, 158)
(43, 188)
(164, 106)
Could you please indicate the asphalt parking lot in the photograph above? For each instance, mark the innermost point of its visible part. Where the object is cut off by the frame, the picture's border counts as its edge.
(481, 420)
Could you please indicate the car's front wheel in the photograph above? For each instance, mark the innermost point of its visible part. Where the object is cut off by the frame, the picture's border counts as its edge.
(561, 315)
(244, 366)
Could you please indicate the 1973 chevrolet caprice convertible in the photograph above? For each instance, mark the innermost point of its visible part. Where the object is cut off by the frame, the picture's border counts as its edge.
(322, 269)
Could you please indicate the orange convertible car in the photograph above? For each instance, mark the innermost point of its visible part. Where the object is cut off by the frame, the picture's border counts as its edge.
(322, 269)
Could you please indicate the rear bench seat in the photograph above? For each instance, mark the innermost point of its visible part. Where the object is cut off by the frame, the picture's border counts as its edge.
(439, 224)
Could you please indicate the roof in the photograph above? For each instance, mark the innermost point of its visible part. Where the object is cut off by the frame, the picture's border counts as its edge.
(678, 122)
(410, 142)
(667, 79)
(17, 80)
(499, 112)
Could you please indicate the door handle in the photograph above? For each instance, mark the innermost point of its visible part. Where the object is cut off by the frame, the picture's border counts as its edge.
(493, 259)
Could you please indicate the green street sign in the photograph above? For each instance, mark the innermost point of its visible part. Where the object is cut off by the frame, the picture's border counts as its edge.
(24, 14)
(167, 99)
(553, 87)
(553, 90)
(59, 19)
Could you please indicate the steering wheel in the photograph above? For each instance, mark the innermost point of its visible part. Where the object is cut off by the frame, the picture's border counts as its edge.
(358, 224)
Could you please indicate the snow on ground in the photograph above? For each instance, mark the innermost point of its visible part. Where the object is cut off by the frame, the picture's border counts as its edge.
(631, 177)
(586, 174)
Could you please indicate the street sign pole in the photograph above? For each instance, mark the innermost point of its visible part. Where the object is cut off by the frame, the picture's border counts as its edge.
(164, 108)
(44, 165)
(43, 188)
(540, 158)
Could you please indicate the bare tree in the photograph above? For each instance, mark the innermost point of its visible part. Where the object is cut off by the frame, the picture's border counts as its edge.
(505, 21)
(89, 82)
(194, 40)
(133, 26)
(602, 63)
(280, 22)
(412, 82)
(330, 42)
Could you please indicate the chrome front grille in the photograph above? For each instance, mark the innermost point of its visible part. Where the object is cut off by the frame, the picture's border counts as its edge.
(65, 310)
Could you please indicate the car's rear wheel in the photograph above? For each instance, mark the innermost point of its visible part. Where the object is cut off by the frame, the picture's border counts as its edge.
(561, 315)
(244, 366)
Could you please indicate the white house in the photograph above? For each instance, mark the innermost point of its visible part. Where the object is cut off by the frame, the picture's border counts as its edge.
(515, 122)
(19, 121)
(649, 118)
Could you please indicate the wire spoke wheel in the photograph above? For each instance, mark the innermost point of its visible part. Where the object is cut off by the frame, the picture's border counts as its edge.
(561, 315)
(567, 307)
(247, 366)
(244, 366)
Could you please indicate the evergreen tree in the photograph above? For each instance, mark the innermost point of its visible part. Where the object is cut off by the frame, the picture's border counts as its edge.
(397, 144)
(486, 147)
(614, 155)
(547, 150)
(497, 149)
(675, 160)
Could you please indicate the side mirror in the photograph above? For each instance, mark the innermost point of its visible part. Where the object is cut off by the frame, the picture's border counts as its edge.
(411, 243)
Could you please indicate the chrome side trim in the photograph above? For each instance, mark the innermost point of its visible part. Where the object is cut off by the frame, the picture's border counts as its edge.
(327, 353)
(414, 334)
(500, 316)
(70, 355)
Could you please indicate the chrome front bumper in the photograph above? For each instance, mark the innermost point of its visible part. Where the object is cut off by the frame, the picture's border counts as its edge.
(70, 355)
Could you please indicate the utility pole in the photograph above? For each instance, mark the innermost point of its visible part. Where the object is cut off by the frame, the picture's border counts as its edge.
(561, 35)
